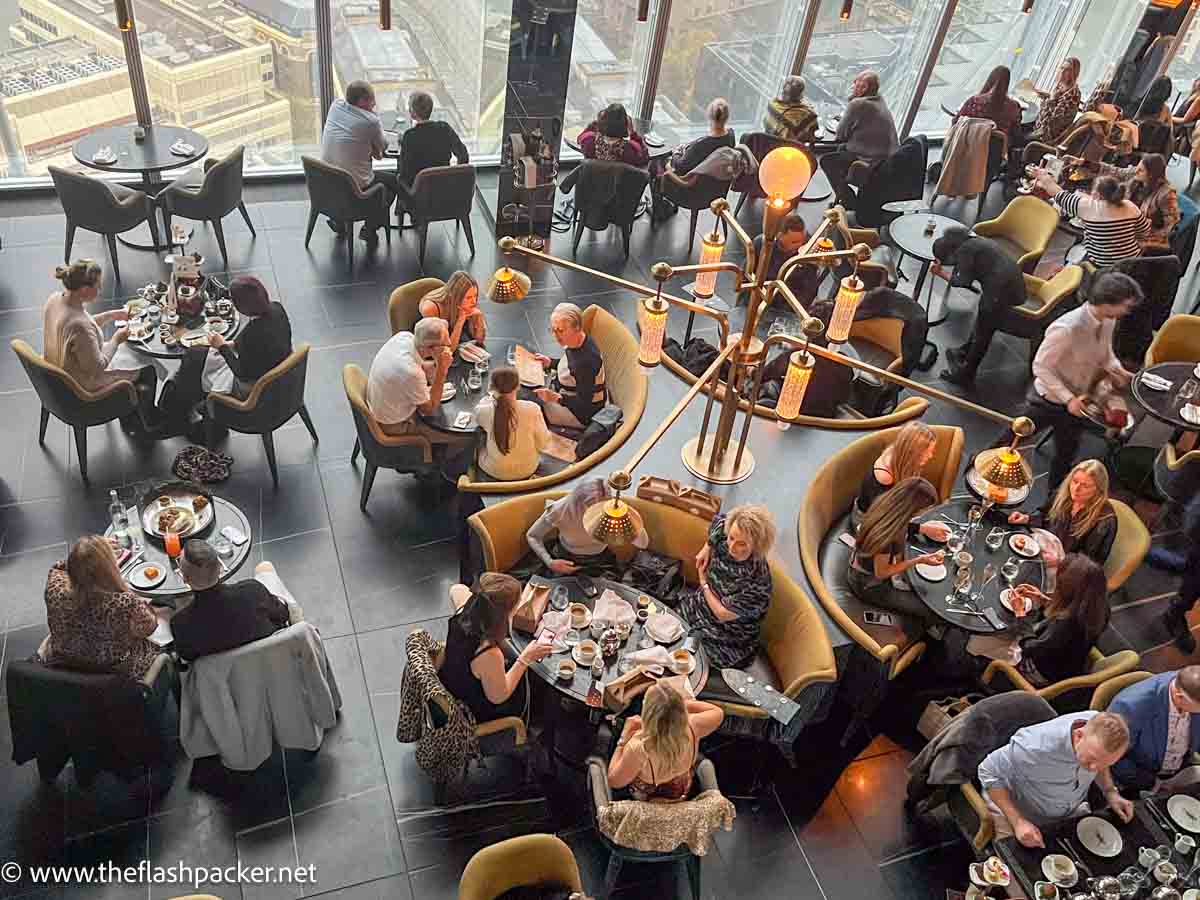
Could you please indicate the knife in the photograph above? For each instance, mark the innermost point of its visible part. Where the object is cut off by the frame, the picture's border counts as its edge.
(1070, 848)
(1161, 817)
(137, 557)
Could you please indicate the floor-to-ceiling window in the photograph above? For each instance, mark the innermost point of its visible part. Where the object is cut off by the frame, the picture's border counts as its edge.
(607, 60)
(1100, 37)
(1185, 67)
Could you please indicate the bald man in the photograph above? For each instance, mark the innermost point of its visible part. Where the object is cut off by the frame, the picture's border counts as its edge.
(1163, 729)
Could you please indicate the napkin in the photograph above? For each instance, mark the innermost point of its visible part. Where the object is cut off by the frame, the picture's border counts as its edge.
(558, 621)
(613, 609)
(653, 656)
(473, 352)
(1155, 382)
(665, 626)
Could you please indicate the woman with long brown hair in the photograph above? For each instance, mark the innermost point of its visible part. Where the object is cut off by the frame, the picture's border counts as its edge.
(657, 752)
(905, 457)
(993, 102)
(1079, 514)
(1148, 187)
(95, 621)
(456, 301)
(516, 430)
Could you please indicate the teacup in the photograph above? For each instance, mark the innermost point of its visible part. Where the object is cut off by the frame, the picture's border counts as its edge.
(566, 669)
(587, 651)
(1165, 872)
(681, 662)
(642, 615)
(579, 614)
(1185, 845)
(643, 601)
(1062, 867)
(153, 311)
(1147, 857)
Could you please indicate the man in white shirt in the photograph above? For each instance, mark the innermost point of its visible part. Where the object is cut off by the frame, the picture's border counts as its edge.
(1075, 352)
(406, 380)
(352, 140)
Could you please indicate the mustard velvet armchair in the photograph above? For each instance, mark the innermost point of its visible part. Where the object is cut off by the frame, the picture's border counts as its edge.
(1129, 548)
(1024, 229)
(793, 637)
(627, 388)
(1106, 691)
(405, 301)
(1070, 694)
(829, 497)
(1177, 341)
(530, 859)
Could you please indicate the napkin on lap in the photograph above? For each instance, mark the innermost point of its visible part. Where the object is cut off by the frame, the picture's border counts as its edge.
(613, 609)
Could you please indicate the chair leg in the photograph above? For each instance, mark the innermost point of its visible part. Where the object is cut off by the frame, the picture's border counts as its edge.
(354, 453)
(112, 250)
(350, 244)
(693, 871)
(70, 241)
(625, 232)
(368, 483)
(268, 440)
(42, 429)
(424, 238)
(578, 236)
(152, 223)
(166, 213)
(612, 873)
(1193, 177)
(692, 236)
(246, 216)
(312, 221)
(81, 449)
(466, 224)
(309, 424)
(220, 232)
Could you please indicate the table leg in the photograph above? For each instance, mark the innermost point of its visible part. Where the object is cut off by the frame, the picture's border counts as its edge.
(920, 282)
(691, 321)
(929, 352)
(152, 185)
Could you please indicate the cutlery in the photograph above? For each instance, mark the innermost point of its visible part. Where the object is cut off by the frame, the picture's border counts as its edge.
(137, 557)
(966, 612)
(1083, 867)
(1160, 817)
(989, 574)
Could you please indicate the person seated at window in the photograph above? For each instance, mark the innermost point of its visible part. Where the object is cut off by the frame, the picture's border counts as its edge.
(1060, 107)
(793, 235)
(515, 429)
(264, 343)
(905, 457)
(866, 131)
(658, 751)
(1154, 106)
(574, 548)
(457, 303)
(1163, 715)
(473, 665)
(1113, 227)
(726, 609)
(1073, 617)
(1079, 515)
(1001, 287)
(789, 116)
(578, 390)
(223, 616)
(878, 554)
(352, 140)
(72, 340)
(1190, 105)
(612, 137)
(96, 622)
(993, 102)
(406, 380)
(1148, 187)
(426, 143)
(690, 155)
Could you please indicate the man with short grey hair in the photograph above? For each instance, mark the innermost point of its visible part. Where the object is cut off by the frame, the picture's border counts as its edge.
(789, 116)
(426, 144)
(866, 132)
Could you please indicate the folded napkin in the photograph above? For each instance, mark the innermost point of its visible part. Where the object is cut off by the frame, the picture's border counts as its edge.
(558, 621)
(664, 626)
(473, 352)
(613, 609)
(1155, 382)
(653, 656)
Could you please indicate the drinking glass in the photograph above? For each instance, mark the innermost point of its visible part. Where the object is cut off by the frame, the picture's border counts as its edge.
(511, 355)
(955, 543)
(558, 598)
(994, 539)
(1188, 389)
(625, 664)
(974, 514)
(222, 545)
(172, 544)
(1009, 570)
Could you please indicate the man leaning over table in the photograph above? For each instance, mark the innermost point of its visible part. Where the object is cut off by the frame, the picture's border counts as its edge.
(1164, 731)
(1043, 774)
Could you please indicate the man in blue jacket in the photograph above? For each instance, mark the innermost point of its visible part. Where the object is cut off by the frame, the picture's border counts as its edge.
(1164, 731)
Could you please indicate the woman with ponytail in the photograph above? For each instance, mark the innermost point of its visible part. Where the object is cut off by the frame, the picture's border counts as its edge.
(516, 430)
(473, 664)
(1113, 225)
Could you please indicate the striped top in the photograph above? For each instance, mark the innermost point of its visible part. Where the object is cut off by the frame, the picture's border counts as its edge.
(1110, 233)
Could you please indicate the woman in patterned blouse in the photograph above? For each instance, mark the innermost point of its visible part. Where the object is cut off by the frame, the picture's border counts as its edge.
(1147, 186)
(994, 103)
(727, 609)
(95, 621)
(1060, 107)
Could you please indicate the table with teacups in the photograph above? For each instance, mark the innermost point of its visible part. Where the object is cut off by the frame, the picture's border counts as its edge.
(1167, 405)
(152, 344)
(938, 595)
(1152, 827)
(464, 399)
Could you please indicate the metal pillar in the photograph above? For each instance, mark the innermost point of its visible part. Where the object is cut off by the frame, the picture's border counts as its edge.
(807, 30)
(931, 58)
(325, 55)
(648, 89)
(137, 75)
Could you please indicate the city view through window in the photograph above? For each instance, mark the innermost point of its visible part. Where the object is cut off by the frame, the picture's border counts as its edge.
(246, 71)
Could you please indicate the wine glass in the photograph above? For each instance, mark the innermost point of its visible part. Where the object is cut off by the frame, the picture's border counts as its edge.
(994, 539)
(955, 543)
(559, 599)
(1009, 570)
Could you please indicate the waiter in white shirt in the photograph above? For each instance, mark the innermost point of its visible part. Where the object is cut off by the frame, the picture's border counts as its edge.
(1076, 350)
(352, 140)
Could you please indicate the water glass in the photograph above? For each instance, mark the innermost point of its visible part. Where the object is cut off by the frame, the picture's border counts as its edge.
(1009, 570)
(511, 355)
(994, 539)
(1188, 389)
(955, 544)
(625, 664)
(559, 599)
(222, 545)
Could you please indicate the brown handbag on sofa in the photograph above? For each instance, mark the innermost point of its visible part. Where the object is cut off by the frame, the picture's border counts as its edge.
(534, 600)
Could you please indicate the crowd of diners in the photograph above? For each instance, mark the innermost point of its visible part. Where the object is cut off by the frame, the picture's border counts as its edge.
(1143, 741)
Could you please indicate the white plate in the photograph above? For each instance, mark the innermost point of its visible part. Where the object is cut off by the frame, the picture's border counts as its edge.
(1185, 812)
(448, 391)
(182, 149)
(1050, 873)
(664, 628)
(1032, 548)
(1099, 837)
(1191, 894)
(216, 325)
(1190, 413)
(578, 659)
(473, 353)
(138, 578)
(976, 871)
(1006, 602)
(931, 573)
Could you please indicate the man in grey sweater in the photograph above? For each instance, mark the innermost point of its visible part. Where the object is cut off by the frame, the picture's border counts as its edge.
(866, 131)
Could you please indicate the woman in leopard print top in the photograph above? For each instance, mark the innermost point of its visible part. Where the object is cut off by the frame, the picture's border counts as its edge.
(95, 621)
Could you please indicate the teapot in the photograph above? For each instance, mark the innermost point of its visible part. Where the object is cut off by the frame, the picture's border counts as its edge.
(1106, 887)
(1163, 892)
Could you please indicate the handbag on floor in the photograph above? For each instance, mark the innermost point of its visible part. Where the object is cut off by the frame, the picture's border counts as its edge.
(938, 713)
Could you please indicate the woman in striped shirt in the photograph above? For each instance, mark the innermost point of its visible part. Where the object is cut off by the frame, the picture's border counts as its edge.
(1113, 226)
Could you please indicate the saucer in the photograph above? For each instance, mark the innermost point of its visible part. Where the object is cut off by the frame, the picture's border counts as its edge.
(1190, 413)
(931, 573)
(575, 654)
(1051, 873)
(1031, 547)
(448, 391)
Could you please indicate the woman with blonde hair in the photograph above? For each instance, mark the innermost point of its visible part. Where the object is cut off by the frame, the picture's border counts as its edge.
(879, 546)
(657, 752)
(515, 429)
(1079, 514)
(905, 457)
(726, 609)
(95, 621)
(456, 301)
(1060, 107)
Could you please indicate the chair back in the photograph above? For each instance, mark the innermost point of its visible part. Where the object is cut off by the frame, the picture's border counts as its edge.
(530, 859)
(333, 192)
(411, 456)
(1129, 548)
(1107, 690)
(275, 398)
(222, 188)
(1177, 341)
(89, 204)
(66, 398)
(404, 304)
(1176, 476)
(1048, 296)
(899, 177)
(760, 144)
(608, 193)
(1158, 277)
(1155, 137)
(443, 192)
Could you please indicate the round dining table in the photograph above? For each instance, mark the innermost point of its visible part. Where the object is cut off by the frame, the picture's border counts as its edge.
(937, 595)
(444, 417)
(1166, 405)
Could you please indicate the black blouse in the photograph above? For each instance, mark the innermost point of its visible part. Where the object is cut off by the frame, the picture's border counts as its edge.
(872, 489)
(1094, 544)
(264, 344)
(1058, 648)
(456, 675)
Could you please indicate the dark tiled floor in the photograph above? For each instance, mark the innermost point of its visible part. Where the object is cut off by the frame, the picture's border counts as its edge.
(361, 812)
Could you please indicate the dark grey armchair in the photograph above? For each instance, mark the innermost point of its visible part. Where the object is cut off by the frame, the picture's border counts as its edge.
(333, 192)
(694, 192)
(275, 398)
(219, 194)
(108, 209)
(606, 193)
(404, 453)
(69, 402)
(439, 194)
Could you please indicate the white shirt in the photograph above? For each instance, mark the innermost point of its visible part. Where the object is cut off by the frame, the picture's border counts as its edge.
(351, 138)
(397, 384)
(525, 442)
(1077, 348)
(1179, 732)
